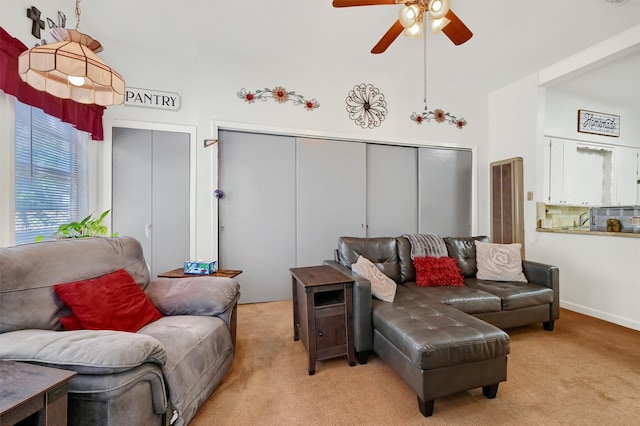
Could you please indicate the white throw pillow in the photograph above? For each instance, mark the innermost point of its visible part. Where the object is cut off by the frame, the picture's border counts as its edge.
(382, 287)
(499, 262)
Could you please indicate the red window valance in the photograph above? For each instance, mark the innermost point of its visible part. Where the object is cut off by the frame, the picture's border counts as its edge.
(84, 117)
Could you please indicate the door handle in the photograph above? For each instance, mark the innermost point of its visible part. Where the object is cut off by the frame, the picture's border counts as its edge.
(147, 230)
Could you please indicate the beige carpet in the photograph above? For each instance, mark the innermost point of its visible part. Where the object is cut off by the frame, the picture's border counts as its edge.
(586, 372)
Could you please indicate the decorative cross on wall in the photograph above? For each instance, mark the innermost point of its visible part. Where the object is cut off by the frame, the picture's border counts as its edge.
(34, 14)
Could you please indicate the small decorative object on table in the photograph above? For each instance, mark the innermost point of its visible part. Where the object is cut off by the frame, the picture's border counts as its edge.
(614, 225)
(200, 268)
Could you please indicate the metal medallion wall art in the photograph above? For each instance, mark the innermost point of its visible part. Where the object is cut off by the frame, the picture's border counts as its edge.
(366, 106)
(280, 95)
(439, 116)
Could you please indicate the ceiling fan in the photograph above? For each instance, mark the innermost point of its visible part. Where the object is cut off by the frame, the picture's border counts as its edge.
(411, 19)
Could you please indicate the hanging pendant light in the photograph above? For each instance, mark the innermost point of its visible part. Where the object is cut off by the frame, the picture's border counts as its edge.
(70, 69)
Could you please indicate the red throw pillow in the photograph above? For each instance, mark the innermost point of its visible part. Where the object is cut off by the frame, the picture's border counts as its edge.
(437, 271)
(110, 302)
(71, 322)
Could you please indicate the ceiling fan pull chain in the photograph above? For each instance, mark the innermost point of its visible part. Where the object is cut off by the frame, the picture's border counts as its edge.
(425, 69)
(77, 14)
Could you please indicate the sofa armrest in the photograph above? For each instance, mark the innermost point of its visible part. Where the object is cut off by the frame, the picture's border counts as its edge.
(547, 276)
(362, 318)
(206, 296)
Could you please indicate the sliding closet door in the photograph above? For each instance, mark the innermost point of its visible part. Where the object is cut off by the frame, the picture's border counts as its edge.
(150, 200)
(444, 191)
(131, 185)
(170, 192)
(257, 213)
(331, 196)
(392, 190)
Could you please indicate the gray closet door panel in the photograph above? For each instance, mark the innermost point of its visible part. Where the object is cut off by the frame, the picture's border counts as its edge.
(257, 213)
(131, 210)
(150, 200)
(170, 193)
(331, 196)
(392, 190)
(444, 191)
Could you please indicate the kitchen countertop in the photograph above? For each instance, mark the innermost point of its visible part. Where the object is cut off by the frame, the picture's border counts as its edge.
(587, 231)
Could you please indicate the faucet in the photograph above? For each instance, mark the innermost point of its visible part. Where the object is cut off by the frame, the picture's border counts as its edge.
(584, 219)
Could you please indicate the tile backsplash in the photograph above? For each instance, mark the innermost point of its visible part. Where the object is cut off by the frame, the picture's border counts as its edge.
(629, 217)
(561, 216)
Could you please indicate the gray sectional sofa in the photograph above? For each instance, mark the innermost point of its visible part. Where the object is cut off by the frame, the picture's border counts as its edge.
(443, 340)
(162, 373)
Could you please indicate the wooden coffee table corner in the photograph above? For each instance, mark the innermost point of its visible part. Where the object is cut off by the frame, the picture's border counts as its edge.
(28, 390)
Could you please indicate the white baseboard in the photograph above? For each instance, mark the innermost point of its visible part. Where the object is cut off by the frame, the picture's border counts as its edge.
(616, 319)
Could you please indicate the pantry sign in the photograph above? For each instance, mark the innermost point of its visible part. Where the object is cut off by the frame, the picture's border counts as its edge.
(151, 99)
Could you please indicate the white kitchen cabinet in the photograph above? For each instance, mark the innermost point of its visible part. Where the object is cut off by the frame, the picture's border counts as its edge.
(562, 165)
(580, 174)
(626, 175)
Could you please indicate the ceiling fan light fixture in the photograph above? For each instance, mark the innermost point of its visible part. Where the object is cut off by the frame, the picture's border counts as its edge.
(438, 8)
(438, 24)
(414, 31)
(409, 15)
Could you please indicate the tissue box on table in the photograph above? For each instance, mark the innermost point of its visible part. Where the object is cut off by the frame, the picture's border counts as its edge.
(200, 268)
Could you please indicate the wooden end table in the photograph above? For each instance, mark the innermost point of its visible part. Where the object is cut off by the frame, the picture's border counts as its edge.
(32, 390)
(322, 313)
(179, 273)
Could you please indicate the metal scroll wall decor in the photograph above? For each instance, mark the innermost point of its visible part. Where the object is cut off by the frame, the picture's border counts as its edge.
(366, 106)
(280, 95)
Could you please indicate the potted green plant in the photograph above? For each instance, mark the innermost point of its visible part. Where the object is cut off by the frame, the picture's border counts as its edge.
(87, 227)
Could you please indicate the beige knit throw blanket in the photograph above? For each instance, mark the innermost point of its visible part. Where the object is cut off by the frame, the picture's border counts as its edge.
(423, 245)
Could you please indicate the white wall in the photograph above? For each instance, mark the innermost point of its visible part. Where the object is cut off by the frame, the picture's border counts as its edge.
(599, 275)
(208, 77)
(561, 118)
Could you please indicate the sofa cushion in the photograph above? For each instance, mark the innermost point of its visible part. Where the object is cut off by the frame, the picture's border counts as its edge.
(83, 351)
(381, 251)
(463, 249)
(382, 287)
(407, 269)
(437, 271)
(29, 272)
(466, 299)
(193, 296)
(434, 335)
(110, 302)
(499, 262)
(514, 294)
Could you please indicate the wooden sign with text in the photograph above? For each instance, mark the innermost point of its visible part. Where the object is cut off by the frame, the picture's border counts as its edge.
(152, 98)
(598, 123)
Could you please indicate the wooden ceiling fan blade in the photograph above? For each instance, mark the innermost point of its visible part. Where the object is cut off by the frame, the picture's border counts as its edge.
(350, 3)
(388, 38)
(456, 30)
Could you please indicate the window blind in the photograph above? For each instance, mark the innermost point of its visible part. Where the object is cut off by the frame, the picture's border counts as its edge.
(51, 183)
